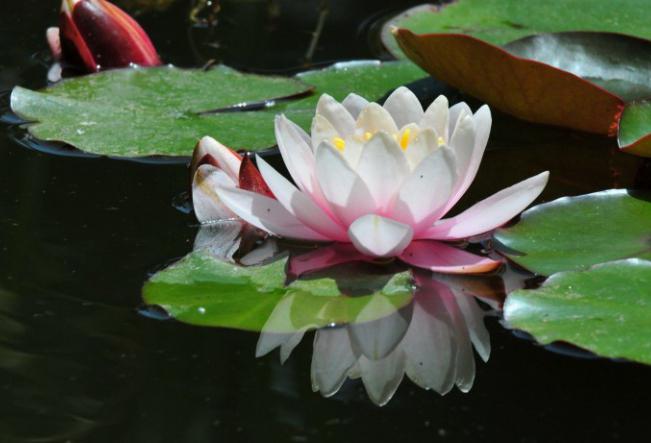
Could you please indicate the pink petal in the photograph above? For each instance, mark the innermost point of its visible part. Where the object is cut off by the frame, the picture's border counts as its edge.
(266, 213)
(439, 257)
(300, 205)
(379, 237)
(490, 213)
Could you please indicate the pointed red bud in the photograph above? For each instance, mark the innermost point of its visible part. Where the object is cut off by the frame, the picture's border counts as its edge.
(98, 35)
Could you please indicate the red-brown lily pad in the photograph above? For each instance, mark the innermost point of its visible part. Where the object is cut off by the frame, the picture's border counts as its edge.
(579, 80)
(527, 88)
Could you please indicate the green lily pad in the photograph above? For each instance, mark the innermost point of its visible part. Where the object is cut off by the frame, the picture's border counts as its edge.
(201, 290)
(634, 132)
(573, 233)
(162, 111)
(606, 309)
(502, 21)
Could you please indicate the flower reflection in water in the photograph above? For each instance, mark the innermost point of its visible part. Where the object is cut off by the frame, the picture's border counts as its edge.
(429, 336)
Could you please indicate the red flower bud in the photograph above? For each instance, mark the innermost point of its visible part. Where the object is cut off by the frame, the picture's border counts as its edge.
(98, 35)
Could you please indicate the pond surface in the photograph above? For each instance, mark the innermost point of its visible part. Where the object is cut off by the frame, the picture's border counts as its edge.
(79, 362)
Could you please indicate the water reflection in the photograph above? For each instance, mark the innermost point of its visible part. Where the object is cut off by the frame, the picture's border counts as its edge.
(364, 333)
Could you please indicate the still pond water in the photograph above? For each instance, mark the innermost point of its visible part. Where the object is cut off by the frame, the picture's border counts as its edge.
(79, 362)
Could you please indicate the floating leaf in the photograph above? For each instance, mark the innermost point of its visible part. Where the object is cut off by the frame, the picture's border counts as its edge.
(201, 290)
(502, 21)
(164, 111)
(606, 309)
(634, 134)
(574, 233)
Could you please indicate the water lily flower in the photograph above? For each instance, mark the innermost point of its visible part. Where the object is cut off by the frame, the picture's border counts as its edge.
(96, 34)
(383, 178)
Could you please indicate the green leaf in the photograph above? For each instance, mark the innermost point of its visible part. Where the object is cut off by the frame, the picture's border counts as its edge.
(606, 309)
(634, 133)
(161, 111)
(201, 290)
(501, 21)
(573, 233)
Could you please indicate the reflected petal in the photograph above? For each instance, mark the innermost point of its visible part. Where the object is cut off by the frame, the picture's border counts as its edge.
(332, 358)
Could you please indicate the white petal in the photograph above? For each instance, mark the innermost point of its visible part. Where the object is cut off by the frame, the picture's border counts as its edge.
(336, 114)
(469, 156)
(226, 158)
(288, 346)
(208, 206)
(474, 317)
(404, 107)
(296, 153)
(354, 104)
(344, 190)
(436, 117)
(332, 358)
(429, 345)
(381, 378)
(266, 213)
(490, 213)
(268, 250)
(379, 237)
(322, 131)
(421, 143)
(426, 189)
(456, 112)
(299, 204)
(383, 167)
(374, 118)
(464, 365)
(221, 240)
(378, 338)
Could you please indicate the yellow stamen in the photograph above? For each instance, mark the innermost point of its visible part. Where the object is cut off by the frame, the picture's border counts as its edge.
(440, 141)
(404, 140)
(367, 136)
(339, 143)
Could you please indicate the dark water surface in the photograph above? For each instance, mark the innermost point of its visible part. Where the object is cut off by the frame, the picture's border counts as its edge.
(79, 236)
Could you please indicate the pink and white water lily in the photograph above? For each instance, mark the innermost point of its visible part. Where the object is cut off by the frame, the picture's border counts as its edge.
(380, 177)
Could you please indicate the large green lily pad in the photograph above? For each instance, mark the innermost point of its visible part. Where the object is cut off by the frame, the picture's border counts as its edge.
(161, 111)
(573, 233)
(606, 309)
(502, 21)
(201, 290)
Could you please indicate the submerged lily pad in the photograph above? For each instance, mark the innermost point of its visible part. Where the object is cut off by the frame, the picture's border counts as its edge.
(164, 111)
(606, 309)
(201, 290)
(573, 233)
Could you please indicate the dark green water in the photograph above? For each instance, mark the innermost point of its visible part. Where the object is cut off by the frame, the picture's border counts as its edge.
(79, 236)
